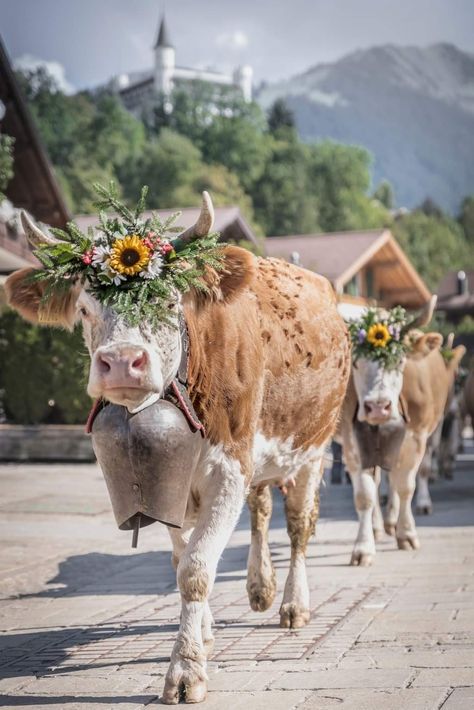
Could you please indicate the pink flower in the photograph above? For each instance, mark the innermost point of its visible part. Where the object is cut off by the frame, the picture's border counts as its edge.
(148, 243)
(88, 256)
(166, 248)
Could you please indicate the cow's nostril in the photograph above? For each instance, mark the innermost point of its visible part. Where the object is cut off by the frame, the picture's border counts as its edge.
(387, 406)
(367, 407)
(104, 365)
(139, 362)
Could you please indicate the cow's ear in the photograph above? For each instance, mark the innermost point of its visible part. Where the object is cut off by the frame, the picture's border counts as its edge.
(428, 342)
(25, 296)
(237, 272)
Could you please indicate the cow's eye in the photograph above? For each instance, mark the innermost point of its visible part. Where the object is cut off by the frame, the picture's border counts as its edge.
(83, 311)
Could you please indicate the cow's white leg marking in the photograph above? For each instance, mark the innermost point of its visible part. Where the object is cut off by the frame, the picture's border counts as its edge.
(377, 518)
(302, 508)
(403, 479)
(261, 584)
(180, 539)
(222, 494)
(392, 512)
(365, 490)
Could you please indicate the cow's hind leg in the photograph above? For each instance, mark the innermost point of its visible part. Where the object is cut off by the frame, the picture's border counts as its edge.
(221, 500)
(392, 512)
(424, 505)
(261, 584)
(365, 491)
(301, 508)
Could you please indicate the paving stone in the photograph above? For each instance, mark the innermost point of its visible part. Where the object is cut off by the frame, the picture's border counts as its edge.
(388, 699)
(445, 677)
(460, 699)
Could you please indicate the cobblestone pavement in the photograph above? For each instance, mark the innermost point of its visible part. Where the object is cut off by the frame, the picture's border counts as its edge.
(89, 623)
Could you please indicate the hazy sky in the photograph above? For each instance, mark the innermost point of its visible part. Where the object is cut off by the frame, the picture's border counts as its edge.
(90, 40)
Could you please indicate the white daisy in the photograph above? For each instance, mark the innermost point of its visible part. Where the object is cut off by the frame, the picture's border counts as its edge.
(154, 268)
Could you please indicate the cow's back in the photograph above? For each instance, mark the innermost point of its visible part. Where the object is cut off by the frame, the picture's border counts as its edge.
(306, 353)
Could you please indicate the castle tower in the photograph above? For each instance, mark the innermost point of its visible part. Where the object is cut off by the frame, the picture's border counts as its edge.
(243, 78)
(164, 60)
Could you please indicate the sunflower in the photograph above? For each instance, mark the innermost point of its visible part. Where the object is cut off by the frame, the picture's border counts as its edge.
(378, 335)
(129, 255)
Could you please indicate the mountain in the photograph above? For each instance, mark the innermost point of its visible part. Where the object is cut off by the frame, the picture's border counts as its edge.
(413, 108)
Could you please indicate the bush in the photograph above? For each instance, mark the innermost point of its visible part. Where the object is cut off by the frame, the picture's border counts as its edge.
(42, 374)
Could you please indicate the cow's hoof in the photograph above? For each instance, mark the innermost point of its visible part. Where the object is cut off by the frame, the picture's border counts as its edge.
(390, 529)
(293, 616)
(361, 559)
(408, 543)
(261, 596)
(184, 690)
(424, 509)
(378, 534)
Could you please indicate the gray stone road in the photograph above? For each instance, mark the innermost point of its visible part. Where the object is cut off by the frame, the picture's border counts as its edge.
(89, 623)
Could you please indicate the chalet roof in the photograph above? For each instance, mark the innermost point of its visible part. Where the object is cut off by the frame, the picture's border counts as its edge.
(163, 39)
(34, 185)
(341, 255)
(228, 221)
(452, 302)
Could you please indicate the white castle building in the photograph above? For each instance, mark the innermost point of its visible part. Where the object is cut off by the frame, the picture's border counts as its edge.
(137, 90)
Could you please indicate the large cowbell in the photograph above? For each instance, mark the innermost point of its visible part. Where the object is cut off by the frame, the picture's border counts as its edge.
(379, 445)
(148, 460)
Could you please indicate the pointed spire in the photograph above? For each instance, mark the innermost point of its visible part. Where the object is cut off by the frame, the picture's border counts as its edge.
(163, 39)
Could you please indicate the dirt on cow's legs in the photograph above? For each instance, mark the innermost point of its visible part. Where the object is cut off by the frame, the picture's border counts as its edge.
(403, 480)
(261, 583)
(302, 510)
(365, 492)
(377, 517)
(222, 496)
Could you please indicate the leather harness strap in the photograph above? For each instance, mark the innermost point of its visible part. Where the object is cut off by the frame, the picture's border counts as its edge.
(176, 393)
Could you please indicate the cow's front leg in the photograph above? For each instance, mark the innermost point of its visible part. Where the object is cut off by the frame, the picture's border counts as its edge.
(180, 539)
(365, 491)
(221, 496)
(302, 509)
(261, 584)
(403, 479)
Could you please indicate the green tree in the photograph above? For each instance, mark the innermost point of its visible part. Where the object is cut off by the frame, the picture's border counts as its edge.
(384, 194)
(280, 117)
(6, 161)
(466, 218)
(43, 373)
(434, 245)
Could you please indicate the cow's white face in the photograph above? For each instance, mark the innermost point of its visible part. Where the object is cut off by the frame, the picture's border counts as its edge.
(128, 364)
(378, 391)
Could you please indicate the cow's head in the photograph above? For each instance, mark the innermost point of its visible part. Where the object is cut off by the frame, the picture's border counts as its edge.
(379, 387)
(128, 364)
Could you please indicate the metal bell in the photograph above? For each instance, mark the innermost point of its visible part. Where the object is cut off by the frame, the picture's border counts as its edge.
(148, 460)
(379, 445)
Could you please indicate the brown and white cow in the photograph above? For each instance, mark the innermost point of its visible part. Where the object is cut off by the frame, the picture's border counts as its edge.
(418, 389)
(268, 367)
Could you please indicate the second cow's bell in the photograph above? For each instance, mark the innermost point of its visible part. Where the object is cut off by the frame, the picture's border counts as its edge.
(148, 460)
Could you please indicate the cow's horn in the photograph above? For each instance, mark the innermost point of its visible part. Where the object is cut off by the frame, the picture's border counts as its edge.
(423, 317)
(204, 222)
(449, 341)
(34, 235)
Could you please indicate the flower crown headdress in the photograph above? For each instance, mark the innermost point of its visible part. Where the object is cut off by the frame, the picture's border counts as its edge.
(379, 335)
(135, 265)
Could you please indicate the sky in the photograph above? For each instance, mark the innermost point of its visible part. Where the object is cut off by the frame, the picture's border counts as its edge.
(85, 42)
